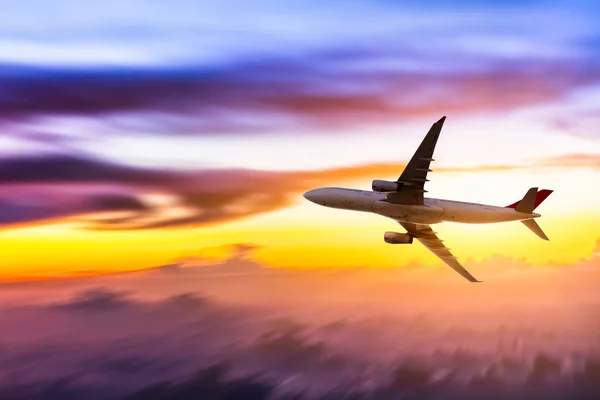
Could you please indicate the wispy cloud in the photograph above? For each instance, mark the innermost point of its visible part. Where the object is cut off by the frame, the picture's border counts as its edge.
(51, 187)
(575, 160)
(313, 93)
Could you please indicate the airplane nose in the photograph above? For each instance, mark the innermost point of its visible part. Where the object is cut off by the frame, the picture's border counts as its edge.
(310, 195)
(314, 195)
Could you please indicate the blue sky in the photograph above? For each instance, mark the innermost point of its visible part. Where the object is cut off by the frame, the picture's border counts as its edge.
(148, 32)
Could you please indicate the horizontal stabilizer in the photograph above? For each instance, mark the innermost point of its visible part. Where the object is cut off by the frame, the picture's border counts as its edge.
(535, 228)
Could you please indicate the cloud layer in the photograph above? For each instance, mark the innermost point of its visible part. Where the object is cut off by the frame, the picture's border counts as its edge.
(251, 331)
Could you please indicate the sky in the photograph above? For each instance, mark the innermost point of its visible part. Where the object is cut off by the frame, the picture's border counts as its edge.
(136, 134)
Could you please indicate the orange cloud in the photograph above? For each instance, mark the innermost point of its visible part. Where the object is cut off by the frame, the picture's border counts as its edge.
(43, 190)
(574, 161)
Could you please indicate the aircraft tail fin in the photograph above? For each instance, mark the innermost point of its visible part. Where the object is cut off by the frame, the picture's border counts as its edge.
(531, 200)
(535, 228)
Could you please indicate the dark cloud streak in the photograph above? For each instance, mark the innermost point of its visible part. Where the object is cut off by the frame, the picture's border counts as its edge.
(49, 204)
(58, 186)
(321, 90)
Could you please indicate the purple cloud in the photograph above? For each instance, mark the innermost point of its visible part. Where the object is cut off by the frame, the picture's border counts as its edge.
(147, 333)
(35, 205)
(58, 186)
(321, 90)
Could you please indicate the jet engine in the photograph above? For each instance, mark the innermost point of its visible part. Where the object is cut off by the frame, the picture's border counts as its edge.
(386, 186)
(397, 238)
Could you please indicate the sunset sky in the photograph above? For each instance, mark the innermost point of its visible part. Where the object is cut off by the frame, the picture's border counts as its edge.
(137, 133)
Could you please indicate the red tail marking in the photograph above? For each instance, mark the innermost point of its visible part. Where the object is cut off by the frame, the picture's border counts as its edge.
(539, 198)
(513, 205)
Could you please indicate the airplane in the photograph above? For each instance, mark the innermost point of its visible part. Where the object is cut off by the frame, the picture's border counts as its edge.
(403, 200)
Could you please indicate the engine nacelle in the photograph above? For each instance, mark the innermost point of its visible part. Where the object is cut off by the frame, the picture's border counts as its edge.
(397, 238)
(386, 186)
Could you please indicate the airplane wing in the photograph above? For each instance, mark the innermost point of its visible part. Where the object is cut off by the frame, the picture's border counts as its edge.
(425, 235)
(414, 175)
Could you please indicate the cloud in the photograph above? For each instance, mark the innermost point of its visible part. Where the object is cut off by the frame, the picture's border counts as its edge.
(111, 196)
(53, 206)
(577, 115)
(314, 92)
(75, 186)
(374, 334)
(94, 300)
(588, 160)
(72, 169)
(59, 186)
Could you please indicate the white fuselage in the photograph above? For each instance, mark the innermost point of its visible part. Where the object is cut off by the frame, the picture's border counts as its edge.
(433, 210)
